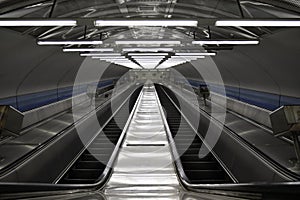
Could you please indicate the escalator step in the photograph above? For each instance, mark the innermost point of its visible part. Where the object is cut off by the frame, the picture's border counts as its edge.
(95, 157)
(198, 170)
(103, 145)
(89, 165)
(85, 173)
(77, 181)
(97, 151)
(203, 165)
(204, 174)
(188, 150)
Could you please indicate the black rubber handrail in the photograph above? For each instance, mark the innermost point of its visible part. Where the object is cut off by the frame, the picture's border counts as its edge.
(12, 190)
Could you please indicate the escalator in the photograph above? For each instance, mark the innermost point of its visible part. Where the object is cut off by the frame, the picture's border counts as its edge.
(198, 169)
(142, 158)
(90, 166)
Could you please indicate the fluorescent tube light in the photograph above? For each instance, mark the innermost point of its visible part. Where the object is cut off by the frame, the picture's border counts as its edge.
(148, 57)
(38, 22)
(146, 23)
(186, 57)
(266, 23)
(196, 54)
(147, 49)
(148, 54)
(227, 42)
(100, 54)
(90, 49)
(113, 59)
(148, 42)
(69, 42)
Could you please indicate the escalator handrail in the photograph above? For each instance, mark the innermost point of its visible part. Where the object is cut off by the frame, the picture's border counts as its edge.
(115, 153)
(8, 187)
(175, 155)
(283, 172)
(40, 147)
(247, 190)
(91, 140)
(185, 180)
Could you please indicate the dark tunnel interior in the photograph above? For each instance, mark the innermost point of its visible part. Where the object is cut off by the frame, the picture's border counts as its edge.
(149, 99)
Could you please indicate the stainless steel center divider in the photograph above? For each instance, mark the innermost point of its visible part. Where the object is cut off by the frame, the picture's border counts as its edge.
(144, 165)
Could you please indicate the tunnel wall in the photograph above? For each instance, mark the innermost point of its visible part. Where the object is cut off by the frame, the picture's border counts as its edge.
(266, 75)
(32, 75)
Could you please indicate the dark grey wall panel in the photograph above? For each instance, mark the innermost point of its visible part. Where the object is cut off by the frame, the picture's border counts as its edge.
(273, 66)
(49, 72)
(18, 55)
(28, 68)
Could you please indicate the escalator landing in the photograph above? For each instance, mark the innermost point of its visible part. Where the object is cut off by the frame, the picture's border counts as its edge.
(144, 165)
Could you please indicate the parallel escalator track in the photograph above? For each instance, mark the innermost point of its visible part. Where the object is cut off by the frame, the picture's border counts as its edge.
(198, 169)
(89, 167)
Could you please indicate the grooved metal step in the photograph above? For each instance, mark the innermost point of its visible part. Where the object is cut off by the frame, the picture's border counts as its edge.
(198, 169)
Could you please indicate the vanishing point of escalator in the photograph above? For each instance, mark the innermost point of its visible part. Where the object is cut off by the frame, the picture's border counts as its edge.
(89, 167)
(197, 169)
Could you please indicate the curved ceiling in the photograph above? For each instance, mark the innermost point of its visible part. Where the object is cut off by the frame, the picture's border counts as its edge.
(231, 62)
(154, 9)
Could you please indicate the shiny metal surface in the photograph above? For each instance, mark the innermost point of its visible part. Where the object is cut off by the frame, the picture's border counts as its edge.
(144, 166)
(255, 134)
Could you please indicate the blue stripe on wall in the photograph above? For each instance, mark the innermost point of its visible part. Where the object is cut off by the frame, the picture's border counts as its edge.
(35, 100)
(9, 101)
(30, 101)
(264, 100)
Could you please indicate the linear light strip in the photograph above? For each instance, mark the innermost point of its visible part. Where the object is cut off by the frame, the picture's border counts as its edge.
(192, 23)
(116, 59)
(112, 57)
(226, 42)
(147, 49)
(196, 54)
(69, 42)
(86, 49)
(147, 57)
(148, 54)
(147, 42)
(100, 54)
(38, 22)
(185, 57)
(261, 23)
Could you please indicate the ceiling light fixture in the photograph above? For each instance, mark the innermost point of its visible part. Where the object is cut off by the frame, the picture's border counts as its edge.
(69, 42)
(196, 54)
(253, 23)
(148, 54)
(90, 49)
(226, 42)
(100, 54)
(148, 42)
(4, 22)
(147, 49)
(192, 23)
